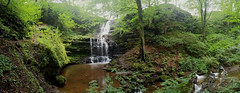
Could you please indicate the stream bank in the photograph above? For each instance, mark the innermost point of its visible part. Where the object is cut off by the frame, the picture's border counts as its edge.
(214, 81)
(78, 77)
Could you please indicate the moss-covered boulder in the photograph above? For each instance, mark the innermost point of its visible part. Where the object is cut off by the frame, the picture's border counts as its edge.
(181, 74)
(60, 80)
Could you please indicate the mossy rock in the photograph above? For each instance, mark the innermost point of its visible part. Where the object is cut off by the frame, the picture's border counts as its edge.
(60, 80)
(164, 77)
(181, 74)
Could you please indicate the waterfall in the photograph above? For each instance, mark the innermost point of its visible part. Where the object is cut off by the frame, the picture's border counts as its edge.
(99, 46)
(212, 79)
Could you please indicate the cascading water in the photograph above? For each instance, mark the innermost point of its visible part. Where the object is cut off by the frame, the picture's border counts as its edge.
(204, 80)
(99, 46)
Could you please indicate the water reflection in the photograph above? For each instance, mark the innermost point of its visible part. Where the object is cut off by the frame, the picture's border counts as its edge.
(78, 77)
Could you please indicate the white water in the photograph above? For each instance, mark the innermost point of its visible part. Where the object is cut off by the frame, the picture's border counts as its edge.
(99, 46)
(197, 88)
(200, 79)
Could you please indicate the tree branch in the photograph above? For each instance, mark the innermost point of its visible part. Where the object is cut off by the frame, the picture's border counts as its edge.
(8, 2)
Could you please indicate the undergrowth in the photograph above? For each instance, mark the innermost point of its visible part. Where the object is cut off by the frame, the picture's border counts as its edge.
(51, 40)
(5, 65)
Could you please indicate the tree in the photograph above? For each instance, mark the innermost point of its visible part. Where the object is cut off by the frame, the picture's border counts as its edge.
(202, 7)
(120, 8)
(203, 13)
(231, 8)
(141, 31)
(167, 1)
(231, 13)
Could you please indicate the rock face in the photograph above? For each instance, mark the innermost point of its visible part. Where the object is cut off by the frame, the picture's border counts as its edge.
(102, 46)
(113, 49)
(79, 50)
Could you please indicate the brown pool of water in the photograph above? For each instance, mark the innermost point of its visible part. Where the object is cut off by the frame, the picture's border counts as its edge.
(79, 76)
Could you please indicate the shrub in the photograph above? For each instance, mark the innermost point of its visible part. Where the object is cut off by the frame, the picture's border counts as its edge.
(5, 65)
(188, 41)
(191, 63)
(51, 40)
(93, 86)
(225, 49)
(16, 17)
(180, 85)
(60, 80)
(233, 87)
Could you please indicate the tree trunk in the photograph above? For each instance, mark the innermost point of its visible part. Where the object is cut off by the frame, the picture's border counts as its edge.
(141, 32)
(165, 28)
(150, 18)
(204, 19)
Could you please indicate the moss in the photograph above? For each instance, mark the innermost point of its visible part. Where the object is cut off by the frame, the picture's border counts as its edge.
(41, 60)
(164, 77)
(60, 80)
(181, 74)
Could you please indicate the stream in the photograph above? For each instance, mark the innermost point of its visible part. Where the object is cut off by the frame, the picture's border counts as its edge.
(214, 80)
(79, 76)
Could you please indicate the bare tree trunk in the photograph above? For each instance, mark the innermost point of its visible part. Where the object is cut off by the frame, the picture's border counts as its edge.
(165, 28)
(142, 48)
(202, 19)
(150, 18)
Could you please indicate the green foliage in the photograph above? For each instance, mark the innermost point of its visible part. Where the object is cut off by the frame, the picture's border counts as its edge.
(66, 21)
(190, 64)
(198, 64)
(54, 56)
(224, 48)
(11, 26)
(232, 87)
(188, 41)
(5, 65)
(52, 41)
(28, 11)
(17, 16)
(132, 82)
(168, 17)
(93, 86)
(129, 84)
(157, 19)
(60, 80)
(69, 18)
(110, 88)
(142, 67)
(180, 85)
